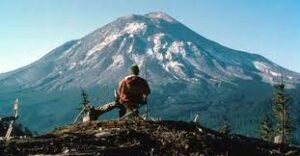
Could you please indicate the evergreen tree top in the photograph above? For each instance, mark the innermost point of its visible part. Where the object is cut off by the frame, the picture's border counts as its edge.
(85, 99)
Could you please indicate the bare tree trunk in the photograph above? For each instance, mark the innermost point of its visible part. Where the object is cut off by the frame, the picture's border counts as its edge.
(94, 113)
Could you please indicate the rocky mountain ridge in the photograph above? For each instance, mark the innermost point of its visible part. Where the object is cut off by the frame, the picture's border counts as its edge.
(169, 50)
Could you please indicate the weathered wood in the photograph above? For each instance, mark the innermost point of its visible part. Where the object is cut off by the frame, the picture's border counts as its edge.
(94, 113)
(15, 108)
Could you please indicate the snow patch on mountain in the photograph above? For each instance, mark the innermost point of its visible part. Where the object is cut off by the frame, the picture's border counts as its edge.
(175, 68)
(72, 66)
(70, 49)
(131, 28)
(289, 77)
(135, 27)
(238, 72)
(130, 48)
(270, 76)
(273, 73)
(155, 54)
(109, 39)
(260, 65)
(265, 69)
(161, 15)
(175, 51)
(159, 44)
(118, 61)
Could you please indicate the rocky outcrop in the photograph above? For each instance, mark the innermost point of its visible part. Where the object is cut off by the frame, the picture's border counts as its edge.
(139, 137)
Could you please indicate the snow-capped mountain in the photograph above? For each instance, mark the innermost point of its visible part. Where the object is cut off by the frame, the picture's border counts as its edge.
(187, 74)
(168, 49)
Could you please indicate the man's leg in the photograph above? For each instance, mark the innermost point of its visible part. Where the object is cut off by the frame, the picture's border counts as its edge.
(133, 110)
(122, 110)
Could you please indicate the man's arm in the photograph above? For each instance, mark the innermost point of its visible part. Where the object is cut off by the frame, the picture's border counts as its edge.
(147, 88)
(146, 92)
(120, 88)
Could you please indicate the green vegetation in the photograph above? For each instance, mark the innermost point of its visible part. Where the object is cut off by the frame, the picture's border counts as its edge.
(225, 127)
(266, 129)
(282, 125)
(280, 107)
(85, 98)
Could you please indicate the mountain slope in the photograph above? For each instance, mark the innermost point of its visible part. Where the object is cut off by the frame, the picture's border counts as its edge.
(169, 49)
(187, 73)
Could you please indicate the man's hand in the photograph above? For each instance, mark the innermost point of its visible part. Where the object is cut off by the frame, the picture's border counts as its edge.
(144, 99)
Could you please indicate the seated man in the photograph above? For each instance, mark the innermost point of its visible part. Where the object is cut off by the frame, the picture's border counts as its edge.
(133, 90)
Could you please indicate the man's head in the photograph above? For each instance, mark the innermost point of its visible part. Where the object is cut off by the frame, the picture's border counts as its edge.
(135, 69)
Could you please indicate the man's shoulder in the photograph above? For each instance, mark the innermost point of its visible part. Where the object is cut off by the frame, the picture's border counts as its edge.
(129, 77)
(142, 79)
(133, 78)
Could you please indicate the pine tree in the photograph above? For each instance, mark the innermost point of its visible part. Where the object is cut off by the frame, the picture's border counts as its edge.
(85, 102)
(85, 99)
(266, 128)
(280, 106)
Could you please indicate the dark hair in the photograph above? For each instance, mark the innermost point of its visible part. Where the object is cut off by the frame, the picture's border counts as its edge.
(135, 69)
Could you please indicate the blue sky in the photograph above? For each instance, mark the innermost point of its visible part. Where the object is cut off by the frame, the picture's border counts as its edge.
(31, 28)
